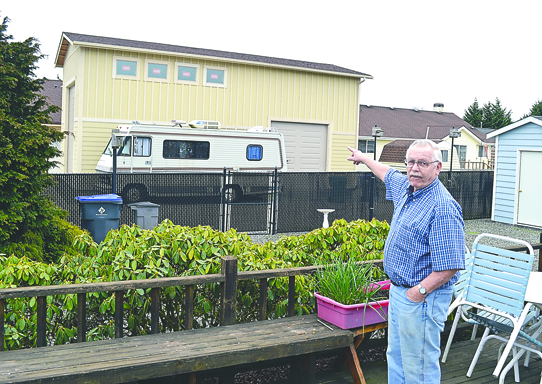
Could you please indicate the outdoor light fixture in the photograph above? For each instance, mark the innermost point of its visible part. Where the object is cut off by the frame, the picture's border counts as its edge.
(454, 134)
(376, 132)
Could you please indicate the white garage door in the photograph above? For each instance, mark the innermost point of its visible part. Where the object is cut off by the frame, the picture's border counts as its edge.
(306, 146)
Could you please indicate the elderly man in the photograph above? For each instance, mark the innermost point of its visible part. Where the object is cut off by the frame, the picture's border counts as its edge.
(424, 251)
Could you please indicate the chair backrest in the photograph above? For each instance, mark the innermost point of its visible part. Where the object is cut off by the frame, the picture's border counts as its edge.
(463, 274)
(498, 277)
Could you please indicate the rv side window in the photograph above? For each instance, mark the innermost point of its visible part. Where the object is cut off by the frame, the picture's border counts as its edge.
(254, 152)
(142, 146)
(178, 149)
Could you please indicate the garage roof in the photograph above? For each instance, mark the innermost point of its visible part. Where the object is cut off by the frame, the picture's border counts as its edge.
(69, 38)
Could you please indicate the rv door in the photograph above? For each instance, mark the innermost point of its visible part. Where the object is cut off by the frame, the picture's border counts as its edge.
(142, 154)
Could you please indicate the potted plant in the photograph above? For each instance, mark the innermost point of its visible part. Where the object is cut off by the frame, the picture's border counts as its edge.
(350, 294)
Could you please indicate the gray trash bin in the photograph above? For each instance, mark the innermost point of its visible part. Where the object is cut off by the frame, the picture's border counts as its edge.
(100, 214)
(145, 214)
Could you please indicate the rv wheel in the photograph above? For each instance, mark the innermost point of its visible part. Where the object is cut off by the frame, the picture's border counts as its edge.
(134, 193)
(232, 193)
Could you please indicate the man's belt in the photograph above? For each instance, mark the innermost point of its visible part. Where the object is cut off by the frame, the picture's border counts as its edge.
(401, 285)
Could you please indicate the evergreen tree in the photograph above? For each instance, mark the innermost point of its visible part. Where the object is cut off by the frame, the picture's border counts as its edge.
(473, 115)
(536, 109)
(495, 116)
(26, 150)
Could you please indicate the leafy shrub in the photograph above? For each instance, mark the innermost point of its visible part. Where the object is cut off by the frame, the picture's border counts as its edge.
(47, 242)
(132, 253)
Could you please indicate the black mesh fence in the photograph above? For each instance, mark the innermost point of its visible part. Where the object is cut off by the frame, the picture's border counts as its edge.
(261, 202)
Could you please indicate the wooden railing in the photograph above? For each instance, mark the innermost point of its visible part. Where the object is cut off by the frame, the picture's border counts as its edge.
(477, 164)
(228, 279)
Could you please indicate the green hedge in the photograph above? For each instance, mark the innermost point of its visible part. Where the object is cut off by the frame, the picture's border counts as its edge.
(166, 251)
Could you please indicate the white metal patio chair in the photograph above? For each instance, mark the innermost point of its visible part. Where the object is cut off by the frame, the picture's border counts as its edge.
(494, 292)
(458, 288)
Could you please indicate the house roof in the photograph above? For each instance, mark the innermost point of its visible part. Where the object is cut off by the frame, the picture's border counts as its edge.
(413, 124)
(395, 151)
(531, 119)
(69, 38)
(52, 90)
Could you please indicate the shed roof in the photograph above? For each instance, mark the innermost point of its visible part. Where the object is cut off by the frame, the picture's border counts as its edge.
(69, 38)
(531, 119)
(52, 90)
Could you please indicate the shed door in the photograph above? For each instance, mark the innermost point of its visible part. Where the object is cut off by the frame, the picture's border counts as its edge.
(529, 187)
(306, 145)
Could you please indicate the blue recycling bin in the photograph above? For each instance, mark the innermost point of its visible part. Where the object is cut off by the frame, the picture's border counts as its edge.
(100, 214)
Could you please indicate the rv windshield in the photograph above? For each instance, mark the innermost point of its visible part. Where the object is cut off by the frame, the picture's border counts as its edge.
(123, 151)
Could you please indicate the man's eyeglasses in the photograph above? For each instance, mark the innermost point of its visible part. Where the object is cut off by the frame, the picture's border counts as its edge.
(421, 164)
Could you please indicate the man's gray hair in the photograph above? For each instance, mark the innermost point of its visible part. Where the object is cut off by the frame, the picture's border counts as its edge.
(437, 154)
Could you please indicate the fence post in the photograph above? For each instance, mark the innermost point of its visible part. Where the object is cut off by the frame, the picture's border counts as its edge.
(228, 298)
(223, 201)
(274, 206)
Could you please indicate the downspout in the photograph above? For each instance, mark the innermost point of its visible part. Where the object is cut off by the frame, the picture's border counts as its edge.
(427, 132)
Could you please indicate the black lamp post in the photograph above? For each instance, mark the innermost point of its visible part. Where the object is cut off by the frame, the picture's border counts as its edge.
(377, 132)
(116, 142)
(454, 134)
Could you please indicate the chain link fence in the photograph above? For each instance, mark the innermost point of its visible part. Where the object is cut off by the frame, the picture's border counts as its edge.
(260, 202)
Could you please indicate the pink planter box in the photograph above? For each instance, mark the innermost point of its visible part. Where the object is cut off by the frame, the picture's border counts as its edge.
(356, 315)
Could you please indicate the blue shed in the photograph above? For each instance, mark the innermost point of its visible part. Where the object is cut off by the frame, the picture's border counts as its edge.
(517, 196)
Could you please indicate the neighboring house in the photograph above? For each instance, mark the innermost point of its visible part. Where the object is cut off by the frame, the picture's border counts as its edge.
(52, 90)
(110, 81)
(517, 184)
(402, 126)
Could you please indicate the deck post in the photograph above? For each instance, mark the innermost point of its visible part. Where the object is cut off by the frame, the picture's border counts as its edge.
(155, 310)
(189, 307)
(263, 298)
(81, 317)
(119, 309)
(291, 295)
(2, 330)
(228, 298)
(41, 337)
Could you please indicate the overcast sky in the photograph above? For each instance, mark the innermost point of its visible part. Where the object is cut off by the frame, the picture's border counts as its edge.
(419, 52)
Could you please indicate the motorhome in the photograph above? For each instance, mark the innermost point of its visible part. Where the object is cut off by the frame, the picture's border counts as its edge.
(198, 146)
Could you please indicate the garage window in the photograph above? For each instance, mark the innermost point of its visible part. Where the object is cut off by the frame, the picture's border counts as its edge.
(125, 68)
(186, 73)
(156, 70)
(215, 77)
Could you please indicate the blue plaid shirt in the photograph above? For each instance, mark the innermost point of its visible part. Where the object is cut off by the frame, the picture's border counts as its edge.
(427, 232)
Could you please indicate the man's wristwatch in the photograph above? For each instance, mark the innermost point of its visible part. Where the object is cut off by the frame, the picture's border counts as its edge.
(422, 290)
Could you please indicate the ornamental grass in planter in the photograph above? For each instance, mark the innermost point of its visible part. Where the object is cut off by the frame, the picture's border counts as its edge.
(351, 294)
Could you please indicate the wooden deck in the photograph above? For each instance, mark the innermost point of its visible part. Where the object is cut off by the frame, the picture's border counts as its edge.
(453, 371)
